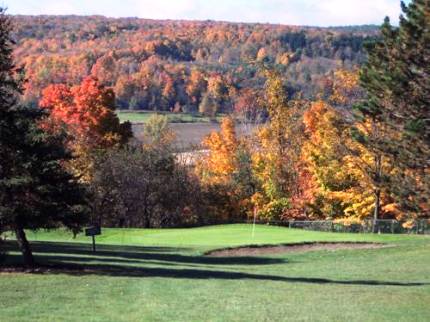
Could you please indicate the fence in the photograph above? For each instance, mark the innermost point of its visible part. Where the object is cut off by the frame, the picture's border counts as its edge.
(382, 226)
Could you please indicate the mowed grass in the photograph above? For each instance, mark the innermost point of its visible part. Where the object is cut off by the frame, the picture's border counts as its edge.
(162, 275)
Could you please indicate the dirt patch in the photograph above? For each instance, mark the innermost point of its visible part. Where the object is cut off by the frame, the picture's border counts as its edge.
(290, 248)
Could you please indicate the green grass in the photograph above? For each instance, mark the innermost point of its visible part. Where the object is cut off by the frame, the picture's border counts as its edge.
(142, 117)
(161, 275)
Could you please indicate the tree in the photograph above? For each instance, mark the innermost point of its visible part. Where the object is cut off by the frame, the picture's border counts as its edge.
(157, 132)
(221, 162)
(340, 166)
(69, 49)
(345, 91)
(35, 190)
(247, 106)
(243, 181)
(87, 113)
(277, 156)
(104, 69)
(323, 155)
(226, 172)
(208, 106)
(142, 187)
(195, 87)
(396, 79)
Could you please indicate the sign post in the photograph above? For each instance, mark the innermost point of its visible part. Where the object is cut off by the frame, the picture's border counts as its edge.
(93, 232)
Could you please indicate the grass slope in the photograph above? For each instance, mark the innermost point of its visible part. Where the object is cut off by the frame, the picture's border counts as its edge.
(160, 275)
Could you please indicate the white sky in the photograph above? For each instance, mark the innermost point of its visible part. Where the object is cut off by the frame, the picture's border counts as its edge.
(297, 12)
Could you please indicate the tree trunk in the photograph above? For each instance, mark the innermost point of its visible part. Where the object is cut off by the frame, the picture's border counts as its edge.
(376, 211)
(377, 191)
(24, 246)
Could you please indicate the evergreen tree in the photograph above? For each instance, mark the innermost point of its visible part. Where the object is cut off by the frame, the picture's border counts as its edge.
(35, 190)
(397, 81)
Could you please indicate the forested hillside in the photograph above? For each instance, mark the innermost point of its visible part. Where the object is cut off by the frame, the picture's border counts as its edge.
(177, 65)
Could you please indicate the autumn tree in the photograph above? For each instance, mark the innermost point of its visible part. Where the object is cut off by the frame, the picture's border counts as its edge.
(195, 87)
(247, 106)
(87, 112)
(244, 181)
(345, 90)
(125, 89)
(336, 164)
(362, 158)
(193, 54)
(157, 132)
(277, 156)
(226, 172)
(208, 106)
(336, 154)
(104, 69)
(217, 88)
(219, 165)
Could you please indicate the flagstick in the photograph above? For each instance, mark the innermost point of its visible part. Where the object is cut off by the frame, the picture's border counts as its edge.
(253, 225)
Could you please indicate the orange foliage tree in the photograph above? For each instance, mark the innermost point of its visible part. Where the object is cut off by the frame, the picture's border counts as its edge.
(220, 163)
(87, 112)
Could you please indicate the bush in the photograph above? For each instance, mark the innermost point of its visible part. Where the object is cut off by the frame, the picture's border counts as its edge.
(274, 210)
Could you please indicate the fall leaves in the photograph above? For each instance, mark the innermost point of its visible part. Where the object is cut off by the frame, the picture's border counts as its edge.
(305, 162)
(87, 113)
(87, 110)
(310, 160)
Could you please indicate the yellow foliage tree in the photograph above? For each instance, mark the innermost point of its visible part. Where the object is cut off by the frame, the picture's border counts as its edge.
(345, 89)
(343, 167)
(226, 172)
(276, 156)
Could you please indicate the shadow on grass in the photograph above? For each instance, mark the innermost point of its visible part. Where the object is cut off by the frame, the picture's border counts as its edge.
(131, 254)
(76, 260)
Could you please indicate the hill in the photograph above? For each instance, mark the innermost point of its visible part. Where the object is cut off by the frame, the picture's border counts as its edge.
(172, 65)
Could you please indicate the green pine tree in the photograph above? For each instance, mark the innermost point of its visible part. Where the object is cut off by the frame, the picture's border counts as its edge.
(397, 80)
(35, 190)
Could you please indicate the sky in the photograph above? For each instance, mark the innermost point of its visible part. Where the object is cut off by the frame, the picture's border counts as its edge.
(291, 12)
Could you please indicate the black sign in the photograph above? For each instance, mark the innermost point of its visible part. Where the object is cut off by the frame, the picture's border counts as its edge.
(93, 231)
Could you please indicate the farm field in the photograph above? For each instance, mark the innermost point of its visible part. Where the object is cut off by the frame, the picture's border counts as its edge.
(190, 135)
(189, 129)
(164, 275)
(143, 116)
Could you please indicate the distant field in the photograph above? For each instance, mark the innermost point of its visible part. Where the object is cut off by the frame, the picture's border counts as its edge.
(191, 135)
(142, 117)
(163, 275)
(190, 129)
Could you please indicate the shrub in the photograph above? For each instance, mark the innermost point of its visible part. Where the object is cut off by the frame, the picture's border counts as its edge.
(274, 210)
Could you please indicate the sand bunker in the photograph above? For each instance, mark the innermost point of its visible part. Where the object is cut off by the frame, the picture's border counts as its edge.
(277, 249)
